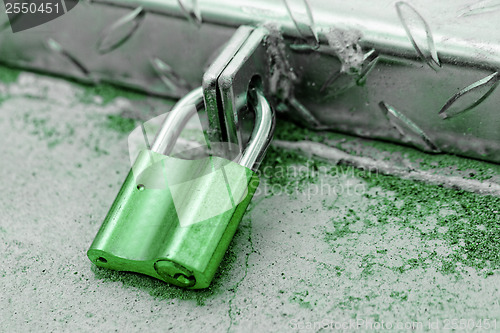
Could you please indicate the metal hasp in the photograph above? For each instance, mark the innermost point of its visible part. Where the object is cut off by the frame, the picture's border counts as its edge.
(419, 73)
(241, 67)
(174, 219)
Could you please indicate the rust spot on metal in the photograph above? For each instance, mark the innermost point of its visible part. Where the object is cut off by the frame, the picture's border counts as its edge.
(345, 45)
(281, 74)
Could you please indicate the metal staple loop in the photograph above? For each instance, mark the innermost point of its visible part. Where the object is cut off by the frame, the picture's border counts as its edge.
(183, 110)
(118, 33)
(192, 13)
(485, 87)
(56, 47)
(405, 12)
(309, 25)
(409, 125)
(172, 81)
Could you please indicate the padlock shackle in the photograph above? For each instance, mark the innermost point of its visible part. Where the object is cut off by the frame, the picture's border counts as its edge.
(176, 120)
(183, 110)
(261, 135)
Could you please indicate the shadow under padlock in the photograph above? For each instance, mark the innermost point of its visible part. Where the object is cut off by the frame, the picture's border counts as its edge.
(173, 218)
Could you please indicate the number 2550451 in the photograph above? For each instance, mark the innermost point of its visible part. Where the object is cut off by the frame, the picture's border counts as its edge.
(27, 7)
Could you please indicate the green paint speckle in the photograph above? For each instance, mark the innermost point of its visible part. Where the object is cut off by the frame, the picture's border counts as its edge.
(468, 223)
(120, 124)
(300, 298)
(476, 247)
(107, 94)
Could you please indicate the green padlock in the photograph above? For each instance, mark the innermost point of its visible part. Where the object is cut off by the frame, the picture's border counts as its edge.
(174, 219)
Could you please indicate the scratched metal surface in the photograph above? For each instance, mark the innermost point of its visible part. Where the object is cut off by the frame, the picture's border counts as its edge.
(426, 71)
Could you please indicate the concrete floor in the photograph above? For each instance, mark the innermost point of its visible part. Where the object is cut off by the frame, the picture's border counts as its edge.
(323, 246)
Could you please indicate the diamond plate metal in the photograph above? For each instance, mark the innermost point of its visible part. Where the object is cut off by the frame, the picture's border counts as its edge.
(164, 47)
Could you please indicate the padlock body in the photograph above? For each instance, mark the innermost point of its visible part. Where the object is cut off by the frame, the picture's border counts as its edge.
(174, 219)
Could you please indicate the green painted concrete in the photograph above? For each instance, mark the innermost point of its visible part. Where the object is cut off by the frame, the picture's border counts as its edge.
(320, 244)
